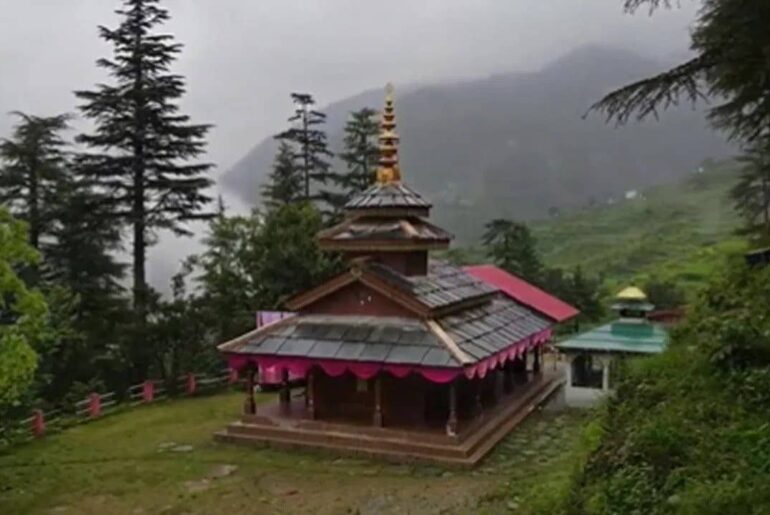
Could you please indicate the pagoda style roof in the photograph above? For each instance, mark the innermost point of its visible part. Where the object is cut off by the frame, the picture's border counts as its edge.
(453, 341)
(631, 293)
(637, 337)
(443, 286)
(388, 195)
(386, 233)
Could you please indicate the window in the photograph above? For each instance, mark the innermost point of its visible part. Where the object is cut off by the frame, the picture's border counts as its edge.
(586, 371)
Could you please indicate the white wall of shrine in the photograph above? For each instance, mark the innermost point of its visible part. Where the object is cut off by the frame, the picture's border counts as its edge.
(578, 394)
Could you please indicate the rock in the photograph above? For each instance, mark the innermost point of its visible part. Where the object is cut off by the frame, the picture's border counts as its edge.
(182, 448)
(447, 474)
(512, 505)
(197, 486)
(221, 471)
(166, 445)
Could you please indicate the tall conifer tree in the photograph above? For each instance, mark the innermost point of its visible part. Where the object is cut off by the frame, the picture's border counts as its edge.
(361, 152)
(311, 151)
(32, 165)
(285, 182)
(142, 145)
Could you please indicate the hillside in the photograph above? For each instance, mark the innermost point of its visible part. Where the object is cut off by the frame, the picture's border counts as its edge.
(680, 231)
(517, 144)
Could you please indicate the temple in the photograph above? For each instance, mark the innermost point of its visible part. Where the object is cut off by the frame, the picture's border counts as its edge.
(402, 357)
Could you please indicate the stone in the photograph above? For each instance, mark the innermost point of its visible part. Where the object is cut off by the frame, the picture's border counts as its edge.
(182, 448)
(221, 471)
(512, 505)
(197, 486)
(166, 445)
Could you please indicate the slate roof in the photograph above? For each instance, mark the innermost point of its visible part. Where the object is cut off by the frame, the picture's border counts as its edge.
(443, 286)
(362, 229)
(490, 328)
(620, 336)
(478, 332)
(394, 194)
(374, 339)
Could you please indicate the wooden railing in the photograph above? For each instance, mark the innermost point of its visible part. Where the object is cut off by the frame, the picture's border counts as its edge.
(97, 405)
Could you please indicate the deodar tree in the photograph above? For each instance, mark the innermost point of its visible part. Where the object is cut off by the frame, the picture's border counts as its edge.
(142, 151)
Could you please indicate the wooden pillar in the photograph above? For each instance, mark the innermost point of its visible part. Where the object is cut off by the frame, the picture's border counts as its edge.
(310, 394)
(285, 394)
(377, 419)
(508, 377)
(250, 406)
(478, 408)
(451, 424)
(536, 361)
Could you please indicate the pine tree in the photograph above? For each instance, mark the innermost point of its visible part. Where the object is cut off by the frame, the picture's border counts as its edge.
(729, 65)
(285, 181)
(142, 144)
(361, 152)
(511, 246)
(751, 195)
(34, 161)
(311, 152)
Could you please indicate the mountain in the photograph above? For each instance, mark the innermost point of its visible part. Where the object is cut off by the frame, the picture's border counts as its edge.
(518, 144)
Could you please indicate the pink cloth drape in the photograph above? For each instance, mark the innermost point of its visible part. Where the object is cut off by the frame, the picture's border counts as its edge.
(366, 370)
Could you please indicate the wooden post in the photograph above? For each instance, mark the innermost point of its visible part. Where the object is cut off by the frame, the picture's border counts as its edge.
(451, 424)
(191, 385)
(232, 376)
(94, 405)
(378, 400)
(606, 374)
(508, 377)
(310, 394)
(477, 406)
(38, 423)
(148, 391)
(285, 393)
(250, 406)
(536, 361)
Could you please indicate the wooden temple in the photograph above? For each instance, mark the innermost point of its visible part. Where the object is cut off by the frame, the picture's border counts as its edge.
(401, 356)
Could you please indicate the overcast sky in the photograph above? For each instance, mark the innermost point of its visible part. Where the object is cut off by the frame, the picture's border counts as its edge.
(243, 57)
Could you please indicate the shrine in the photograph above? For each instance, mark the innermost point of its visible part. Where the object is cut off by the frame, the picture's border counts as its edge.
(402, 357)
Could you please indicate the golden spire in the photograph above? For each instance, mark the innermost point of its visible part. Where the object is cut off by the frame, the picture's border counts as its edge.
(389, 170)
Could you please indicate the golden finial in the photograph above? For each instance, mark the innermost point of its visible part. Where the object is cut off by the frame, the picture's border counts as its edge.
(389, 170)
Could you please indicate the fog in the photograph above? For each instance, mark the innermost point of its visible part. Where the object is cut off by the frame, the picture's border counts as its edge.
(243, 57)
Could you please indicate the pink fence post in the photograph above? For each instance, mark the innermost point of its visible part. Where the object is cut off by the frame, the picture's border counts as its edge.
(191, 384)
(148, 391)
(38, 423)
(232, 377)
(94, 405)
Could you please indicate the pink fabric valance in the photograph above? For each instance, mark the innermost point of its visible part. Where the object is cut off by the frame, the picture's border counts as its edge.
(299, 366)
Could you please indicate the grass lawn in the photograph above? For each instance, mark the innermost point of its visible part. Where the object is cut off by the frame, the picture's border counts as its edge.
(162, 459)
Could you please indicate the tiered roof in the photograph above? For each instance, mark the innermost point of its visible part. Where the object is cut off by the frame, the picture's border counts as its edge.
(451, 319)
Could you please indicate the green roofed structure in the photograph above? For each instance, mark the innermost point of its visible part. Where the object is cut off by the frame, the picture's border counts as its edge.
(593, 355)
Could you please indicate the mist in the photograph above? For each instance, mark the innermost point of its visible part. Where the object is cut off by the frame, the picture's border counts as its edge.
(242, 58)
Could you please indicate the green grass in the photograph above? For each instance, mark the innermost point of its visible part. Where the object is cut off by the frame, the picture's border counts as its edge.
(119, 465)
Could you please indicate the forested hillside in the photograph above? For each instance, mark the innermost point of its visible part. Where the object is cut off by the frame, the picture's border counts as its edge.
(517, 145)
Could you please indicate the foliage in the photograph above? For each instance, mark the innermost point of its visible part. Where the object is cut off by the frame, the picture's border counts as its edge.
(34, 160)
(511, 246)
(22, 313)
(284, 184)
(664, 294)
(310, 150)
(141, 145)
(730, 66)
(361, 152)
(751, 194)
(687, 430)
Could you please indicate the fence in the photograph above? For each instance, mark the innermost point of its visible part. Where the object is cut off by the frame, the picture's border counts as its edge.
(96, 405)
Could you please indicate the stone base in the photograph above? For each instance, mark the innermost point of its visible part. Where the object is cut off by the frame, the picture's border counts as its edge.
(474, 438)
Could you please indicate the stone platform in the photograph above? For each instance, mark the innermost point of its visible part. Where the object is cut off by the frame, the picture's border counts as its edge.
(474, 439)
